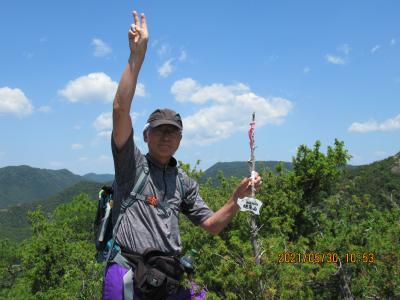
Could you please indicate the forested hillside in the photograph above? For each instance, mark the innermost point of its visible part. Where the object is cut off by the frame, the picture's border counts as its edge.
(14, 223)
(24, 184)
(322, 236)
(380, 180)
(240, 169)
(99, 178)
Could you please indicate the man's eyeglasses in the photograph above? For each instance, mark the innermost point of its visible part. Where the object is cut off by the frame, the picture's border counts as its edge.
(166, 131)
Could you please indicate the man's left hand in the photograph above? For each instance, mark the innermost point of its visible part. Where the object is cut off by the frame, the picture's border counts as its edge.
(244, 188)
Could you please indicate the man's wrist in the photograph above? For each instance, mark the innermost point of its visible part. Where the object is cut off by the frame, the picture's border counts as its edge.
(136, 58)
(135, 63)
(234, 200)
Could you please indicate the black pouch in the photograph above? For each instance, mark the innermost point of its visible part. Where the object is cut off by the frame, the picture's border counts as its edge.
(157, 275)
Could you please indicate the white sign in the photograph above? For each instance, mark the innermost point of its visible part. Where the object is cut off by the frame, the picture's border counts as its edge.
(250, 204)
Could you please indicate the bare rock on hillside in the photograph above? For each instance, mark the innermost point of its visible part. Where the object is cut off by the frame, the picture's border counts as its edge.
(396, 166)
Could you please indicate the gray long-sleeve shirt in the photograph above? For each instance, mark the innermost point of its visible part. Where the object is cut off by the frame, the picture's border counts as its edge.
(144, 225)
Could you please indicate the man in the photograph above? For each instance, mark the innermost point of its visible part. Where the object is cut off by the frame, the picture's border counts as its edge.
(154, 224)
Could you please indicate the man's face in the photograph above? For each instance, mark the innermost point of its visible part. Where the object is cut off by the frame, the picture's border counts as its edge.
(163, 141)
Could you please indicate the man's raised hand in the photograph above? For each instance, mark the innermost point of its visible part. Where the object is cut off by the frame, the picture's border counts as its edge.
(138, 37)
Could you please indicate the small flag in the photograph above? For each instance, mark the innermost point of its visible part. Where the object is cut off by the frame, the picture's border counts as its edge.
(251, 134)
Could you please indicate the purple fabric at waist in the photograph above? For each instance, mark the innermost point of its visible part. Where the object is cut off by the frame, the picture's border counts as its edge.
(113, 287)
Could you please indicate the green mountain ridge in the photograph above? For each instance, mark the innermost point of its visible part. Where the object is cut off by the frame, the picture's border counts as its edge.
(100, 178)
(380, 180)
(13, 218)
(240, 169)
(14, 222)
(25, 184)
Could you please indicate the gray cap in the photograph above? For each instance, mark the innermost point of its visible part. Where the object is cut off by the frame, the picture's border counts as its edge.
(164, 116)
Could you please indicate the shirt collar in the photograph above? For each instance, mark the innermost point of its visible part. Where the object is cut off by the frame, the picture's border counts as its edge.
(171, 164)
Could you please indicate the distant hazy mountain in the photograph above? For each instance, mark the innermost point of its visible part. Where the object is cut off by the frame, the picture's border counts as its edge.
(13, 220)
(24, 184)
(380, 180)
(55, 187)
(240, 169)
(100, 178)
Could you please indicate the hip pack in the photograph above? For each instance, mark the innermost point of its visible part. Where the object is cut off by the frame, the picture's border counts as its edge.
(157, 274)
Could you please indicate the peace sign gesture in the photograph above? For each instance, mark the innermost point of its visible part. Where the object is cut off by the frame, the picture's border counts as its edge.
(138, 37)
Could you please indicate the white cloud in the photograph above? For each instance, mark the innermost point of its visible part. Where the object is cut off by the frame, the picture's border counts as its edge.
(345, 48)
(104, 157)
(164, 49)
(230, 110)
(82, 158)
(101, 48)
(76, 146)
(166, 69)
(105, 134)
(188, 90)
(370, 126)
(14, 101)
(393, 42)
(336, 60)
(184, 88)
(77, 127)
(44, 109)
(182, 56)
(140, 90)
(306, 70)
(375, 48)
(169, 58)
(92, 87)
(364, 127)
(103, 124)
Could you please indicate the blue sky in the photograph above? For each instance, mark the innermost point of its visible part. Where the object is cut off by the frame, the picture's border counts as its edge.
(311, 70)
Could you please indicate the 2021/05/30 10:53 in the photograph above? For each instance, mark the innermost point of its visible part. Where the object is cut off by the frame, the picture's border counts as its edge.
(326, 257)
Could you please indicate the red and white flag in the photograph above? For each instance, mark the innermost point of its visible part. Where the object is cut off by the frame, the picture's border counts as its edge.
(251, 134)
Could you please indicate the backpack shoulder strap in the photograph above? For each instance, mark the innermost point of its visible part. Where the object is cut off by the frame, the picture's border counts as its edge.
(186, 201)
(181, 184)
(142, 174)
